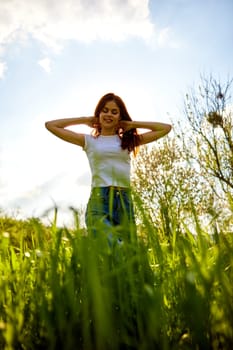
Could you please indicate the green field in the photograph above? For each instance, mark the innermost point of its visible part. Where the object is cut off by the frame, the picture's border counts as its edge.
(60, 289)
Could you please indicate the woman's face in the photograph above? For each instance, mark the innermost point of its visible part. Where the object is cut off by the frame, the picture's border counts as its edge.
(110, 115)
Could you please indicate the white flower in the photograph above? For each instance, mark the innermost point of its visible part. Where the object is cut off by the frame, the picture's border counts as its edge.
(39, 253)
(6, 234)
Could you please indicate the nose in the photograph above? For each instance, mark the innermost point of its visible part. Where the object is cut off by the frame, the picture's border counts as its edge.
(109, 114)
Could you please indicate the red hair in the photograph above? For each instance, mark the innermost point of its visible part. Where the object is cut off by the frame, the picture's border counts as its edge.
(130, 138)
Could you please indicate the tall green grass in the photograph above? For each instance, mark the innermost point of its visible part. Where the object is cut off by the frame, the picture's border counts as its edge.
(60, 288)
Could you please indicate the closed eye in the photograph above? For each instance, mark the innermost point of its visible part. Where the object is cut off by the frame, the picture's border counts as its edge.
(113, 111)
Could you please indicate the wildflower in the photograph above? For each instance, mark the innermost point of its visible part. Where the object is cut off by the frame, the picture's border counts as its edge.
(6, 234)
(39, 253)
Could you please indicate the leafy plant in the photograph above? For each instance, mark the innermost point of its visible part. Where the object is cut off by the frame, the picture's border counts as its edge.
(74, 291)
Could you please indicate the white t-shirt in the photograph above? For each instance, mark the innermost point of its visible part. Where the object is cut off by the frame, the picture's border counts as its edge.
(109, 163)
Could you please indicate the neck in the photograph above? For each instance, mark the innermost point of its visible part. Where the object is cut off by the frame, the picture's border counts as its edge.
(105, 132)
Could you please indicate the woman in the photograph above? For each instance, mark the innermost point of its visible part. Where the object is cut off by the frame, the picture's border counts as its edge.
(108, 149)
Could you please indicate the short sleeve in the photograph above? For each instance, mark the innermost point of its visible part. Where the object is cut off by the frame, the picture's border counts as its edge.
(86, 142)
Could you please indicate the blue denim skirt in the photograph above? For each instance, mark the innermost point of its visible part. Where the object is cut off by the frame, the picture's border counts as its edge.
(110, 207)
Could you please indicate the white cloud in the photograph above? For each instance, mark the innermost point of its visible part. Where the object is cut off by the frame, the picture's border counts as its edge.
(3, 68)
(45, 63)
(53, 22)
(166, 38)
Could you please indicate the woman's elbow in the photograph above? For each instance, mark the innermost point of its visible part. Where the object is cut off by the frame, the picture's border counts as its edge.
(48, 125)
(168, 128)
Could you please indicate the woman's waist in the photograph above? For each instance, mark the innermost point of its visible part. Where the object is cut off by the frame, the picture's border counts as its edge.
(111, 188)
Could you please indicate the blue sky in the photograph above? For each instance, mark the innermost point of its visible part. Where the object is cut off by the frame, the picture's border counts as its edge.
(57, 58)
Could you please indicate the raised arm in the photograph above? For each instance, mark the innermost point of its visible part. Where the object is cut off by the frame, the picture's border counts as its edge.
(157, 130)
(58, 128)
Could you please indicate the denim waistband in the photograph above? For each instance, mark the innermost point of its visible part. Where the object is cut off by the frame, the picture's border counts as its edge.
(107, 189)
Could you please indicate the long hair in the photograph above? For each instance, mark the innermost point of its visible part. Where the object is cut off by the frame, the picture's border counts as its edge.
(130, 138)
